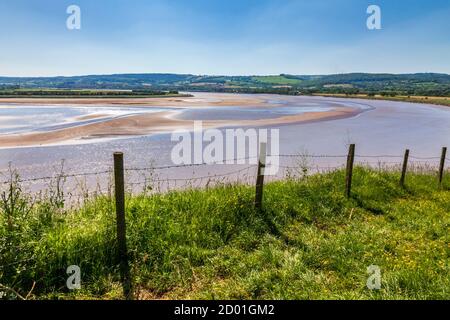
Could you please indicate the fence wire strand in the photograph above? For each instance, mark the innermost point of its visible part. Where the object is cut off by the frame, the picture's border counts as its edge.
(227, 162)
(208, 177)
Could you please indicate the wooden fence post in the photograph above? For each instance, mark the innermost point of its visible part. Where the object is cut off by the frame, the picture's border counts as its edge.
(442, 166)
(121, 227)
(349, 171)
(260, 175)
(404, 168)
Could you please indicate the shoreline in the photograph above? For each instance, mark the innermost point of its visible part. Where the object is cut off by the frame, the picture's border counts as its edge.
(436, 101)
(159, 122)
(200, 99)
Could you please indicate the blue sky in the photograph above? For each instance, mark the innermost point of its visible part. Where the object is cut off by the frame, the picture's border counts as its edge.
(238, 37)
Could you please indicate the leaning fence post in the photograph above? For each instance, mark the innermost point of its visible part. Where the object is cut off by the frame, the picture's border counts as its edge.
(121, 227)
(442, 166)
(349, 171)
(260, 175)
(404, 168)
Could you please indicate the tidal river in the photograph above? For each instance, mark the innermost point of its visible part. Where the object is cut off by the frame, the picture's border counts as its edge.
(381, 130)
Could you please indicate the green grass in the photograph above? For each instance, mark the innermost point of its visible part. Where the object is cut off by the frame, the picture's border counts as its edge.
(443, 101)
(86, 93)
(276, 80)
(309, 242)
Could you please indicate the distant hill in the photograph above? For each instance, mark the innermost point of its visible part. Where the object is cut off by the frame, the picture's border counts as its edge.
(427, 84)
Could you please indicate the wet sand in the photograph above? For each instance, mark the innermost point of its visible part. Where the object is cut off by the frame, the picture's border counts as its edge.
(159, 122)
(385, 130)
(199, 99)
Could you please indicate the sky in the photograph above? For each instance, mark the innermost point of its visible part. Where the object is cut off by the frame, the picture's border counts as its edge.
(223, 37)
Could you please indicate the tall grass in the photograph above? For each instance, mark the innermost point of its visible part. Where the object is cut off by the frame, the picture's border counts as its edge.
(308, 242)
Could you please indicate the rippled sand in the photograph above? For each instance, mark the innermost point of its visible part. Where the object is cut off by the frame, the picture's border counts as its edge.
(383, 129)
(166, 121)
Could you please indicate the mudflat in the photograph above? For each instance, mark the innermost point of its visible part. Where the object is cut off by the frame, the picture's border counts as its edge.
(157, 122)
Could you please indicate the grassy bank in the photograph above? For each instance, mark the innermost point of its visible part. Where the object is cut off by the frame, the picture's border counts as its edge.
(443, 101)
(310, 242)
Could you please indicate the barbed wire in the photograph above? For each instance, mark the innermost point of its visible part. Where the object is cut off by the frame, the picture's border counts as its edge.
(60, 176)
(312, 167)
(356, 156)
(195, 178)
(85, 174)
(210, 176)
(222, 162)
(309, 156)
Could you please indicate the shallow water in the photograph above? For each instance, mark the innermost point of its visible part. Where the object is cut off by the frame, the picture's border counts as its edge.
(386, 129)
(22, 119)
(248, 113)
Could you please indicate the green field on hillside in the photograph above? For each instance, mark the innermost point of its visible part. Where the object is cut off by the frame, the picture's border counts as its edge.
(276, 80)
(308, 242)
(388, 85)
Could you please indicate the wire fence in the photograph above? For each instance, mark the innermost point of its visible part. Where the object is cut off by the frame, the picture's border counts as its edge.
(237, 170)
(243, 170)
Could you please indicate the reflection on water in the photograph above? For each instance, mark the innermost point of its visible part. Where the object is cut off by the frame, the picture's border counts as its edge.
(248, 113)
(21, 119)
(388, 129)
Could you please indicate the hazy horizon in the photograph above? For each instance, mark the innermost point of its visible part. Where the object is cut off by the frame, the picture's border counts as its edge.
(217, 75)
